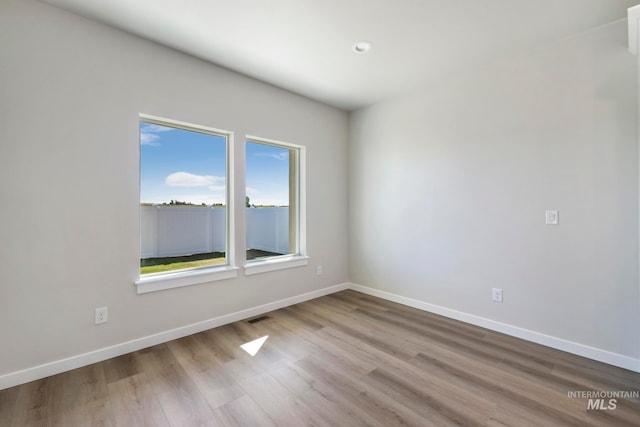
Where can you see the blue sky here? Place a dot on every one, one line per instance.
(188, 166)
(267, 170)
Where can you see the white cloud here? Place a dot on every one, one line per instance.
(149, 139)
(146, 127)
(270, 199)
(148, 134)
(186, 179)
(278, 156)
(251, 191)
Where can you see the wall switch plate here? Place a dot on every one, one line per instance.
(102, 315)
(552, 217)
(496, 294)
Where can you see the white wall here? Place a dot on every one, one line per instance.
(70, 94)
(449, 186)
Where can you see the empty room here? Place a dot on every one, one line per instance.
(319, 213)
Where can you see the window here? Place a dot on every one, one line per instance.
(184, 204)
(274, 205)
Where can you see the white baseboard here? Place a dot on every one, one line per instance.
(58, 366)
(536, 337)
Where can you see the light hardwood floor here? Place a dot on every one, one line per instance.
(346, 359)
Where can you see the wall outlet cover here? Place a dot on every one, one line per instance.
(102, 315)
(552, 217)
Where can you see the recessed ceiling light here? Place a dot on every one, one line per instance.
(362, 47)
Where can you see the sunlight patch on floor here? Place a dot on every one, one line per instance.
(253, 347)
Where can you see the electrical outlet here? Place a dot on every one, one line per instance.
(102, 315)
(496, 295)
(319, 270)
(551, 218)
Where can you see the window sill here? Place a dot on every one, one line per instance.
(184, 278)
(276, 263)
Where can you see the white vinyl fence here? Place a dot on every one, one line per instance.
(183, 230)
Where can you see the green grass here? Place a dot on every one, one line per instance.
(209, 259)
(161, 265)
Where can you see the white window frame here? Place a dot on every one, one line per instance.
(300, 258)
(179, 278)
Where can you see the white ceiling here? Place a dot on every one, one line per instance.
(305, 45)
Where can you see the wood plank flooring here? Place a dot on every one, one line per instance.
(346, 359)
